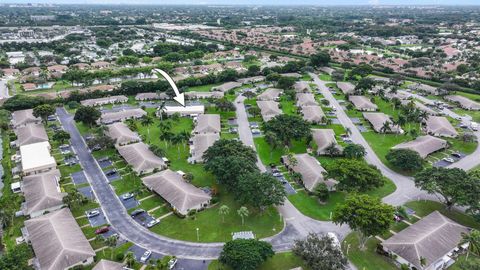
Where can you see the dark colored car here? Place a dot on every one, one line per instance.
(102, 230)
(137, 212)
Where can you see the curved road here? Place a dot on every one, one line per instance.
(296, 224)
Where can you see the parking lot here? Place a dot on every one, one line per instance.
(104, 162)
(129, 203)
(79, 178)
(97, 220)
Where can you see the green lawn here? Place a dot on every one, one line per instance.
(325, 77)
(288, 106)
(213, 229)
(267, 155)
(423, 208)
(202, 88)
(366, 259)
(280, 261)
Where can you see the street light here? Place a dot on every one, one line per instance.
(198, 236)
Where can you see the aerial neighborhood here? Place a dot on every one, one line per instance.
(217, 137)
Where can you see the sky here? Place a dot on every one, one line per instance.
(256, 2)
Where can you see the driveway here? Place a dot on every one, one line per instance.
(4, 89)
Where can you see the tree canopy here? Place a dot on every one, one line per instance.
(319, 252)
(405, 159)
(245, 254)
(287, 128)
(320, 59)
(43, 111)
(354, 151)
(87, 115)
(364, 214)
(260, 190)
(355, 175)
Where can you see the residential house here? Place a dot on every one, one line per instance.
(112, 117)
(226, 86)
(36, 158)
(42, 193)
(309, 168)
(362, 103)
(324, 138)
(378, 120)
(23, 117)
(463, 102)
(270, 94)
(269, 109)
(104, 100)
(122, 134)
(141, 158)
(313, 114)
(346, 87)
(439, 126)
(30, 133)
(306, 99)
(182, 196)
(207, 123)
(424, 145)
(199, 144)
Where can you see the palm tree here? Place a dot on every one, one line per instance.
(111, 242)
(386, 127)
(131, 124)
(160, 109)
(223, 211)
(423, 261)
(243, 213)
(348, 131)
(473, 238)
(146, 121)
(130, 259)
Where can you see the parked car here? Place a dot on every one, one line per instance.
(93, 213)
(277, 174)
(457, 155)
(146, 255)
(102, 230)
(172, 263)
(127, 196)
(450, 160)
(137, 212)
(111, 172)
(152, 223)
(103, 159)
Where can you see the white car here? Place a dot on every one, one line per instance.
(93, 213)
(172, 263)
(152, 223)
(127, 196)
(145, 256)
(450, 160)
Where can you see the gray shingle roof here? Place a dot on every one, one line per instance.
(440, 126)
(140, 157)
(180, 194)
(423, 145)
(431, 238)
(208, 123)
(269, 109)
(31, 133)
(309, 168)
(122, 134)
(57, 240)
(42, 191)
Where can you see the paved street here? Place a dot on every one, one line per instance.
(116, 214)
(4, 89)
(406, 190)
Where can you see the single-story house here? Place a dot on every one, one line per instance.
(270, 94)
(112, 117)
(42, 193)
(378, 120)
(346, 87)
(151, 96)
(362, 103)
(36, 158)
(109, 265)
(327, 70)
(464, 102)
(424, 145)
(422, 107)
(226, 86)
(202, 95)
(81, 66)
(58, 241)
(122, 134)
(30, 133)
(29, 86)
(306, 99)
(291, 74)
(139, 156)
(439, 126)
(424, 88)
(23, 117)
(104, 100)
(301, 87)
(433, 238)
(269, 109)
(57, 68)
(309, 168)
(10, 72)
(323, 138)
(254, 79)
(199, 144)
(208, 123)
(182, 196)
(189, 110)
(313, 114)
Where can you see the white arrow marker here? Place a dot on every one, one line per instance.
(179, 97)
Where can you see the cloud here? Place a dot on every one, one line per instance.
(374, 2)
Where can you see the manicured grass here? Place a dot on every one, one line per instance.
(177, 154)
(269, 155)
(423, 208)
(202, 88)
(461, 258)
(151, 203)
(288, 106)
(213, 229)
(280, 261)
(310, 206)
(368, 258)
(325, 77)
(160, 211)
(128, 183)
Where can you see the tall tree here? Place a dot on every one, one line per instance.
(243, 213)
(473, 238)
(260, 190)
(320, 252)
(43, 111)
(223, 211)
(405, 159)
(444, 183)
(87, 115)
(355, 175)
(366, 215)
(245, 254)
(287, 128)
(61, 136)
(354, 151)
(320, 59)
